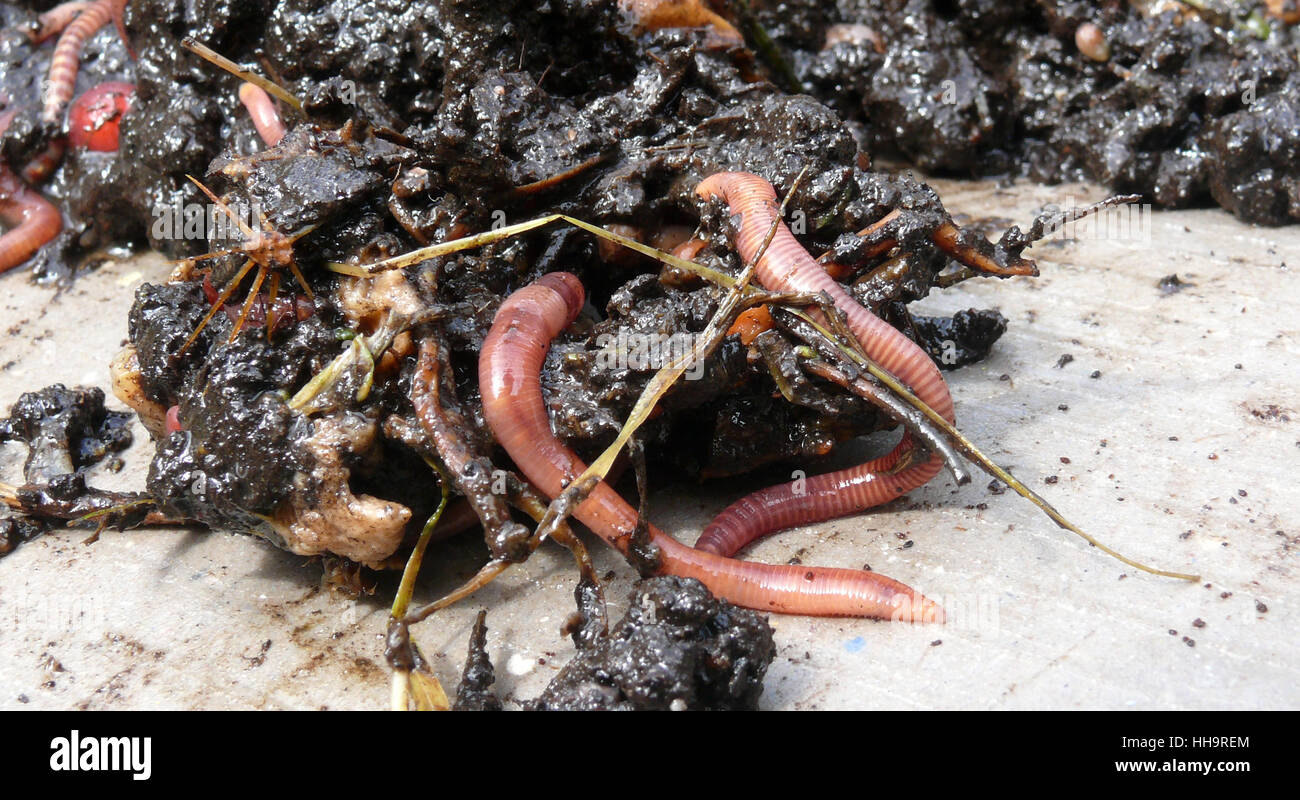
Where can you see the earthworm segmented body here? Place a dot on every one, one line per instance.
(44, 163)
(509, 368)
(821, 497)
(785, 266)
(95, 119)
(262, 109)
(62, 79)
(52, 22)
(33, 220)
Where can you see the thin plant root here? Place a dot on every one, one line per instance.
(425, 689)
(210, 55)
(527, 501)
(973, 453)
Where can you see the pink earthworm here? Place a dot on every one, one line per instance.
(785, 266)
(509, 368)
(45, 162)
(32, 219)
(52, 22)
(66, 62)
(821, 497)
(262, 109)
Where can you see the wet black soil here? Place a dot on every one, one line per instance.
(66, 432)
(678, 648)
(1193, 103)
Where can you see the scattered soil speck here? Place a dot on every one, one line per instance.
(1172, 284)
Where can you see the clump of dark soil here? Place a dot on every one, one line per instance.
(963, 338)
(65, 430)
(1193, 102)
(678, 648)
(432, 120)
(16, 530)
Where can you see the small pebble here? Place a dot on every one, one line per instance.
(1092, 42)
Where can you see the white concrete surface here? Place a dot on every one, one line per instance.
(175, 619)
